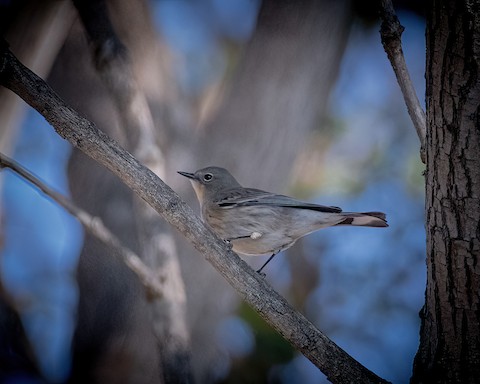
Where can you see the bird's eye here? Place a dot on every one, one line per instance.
(207, 177)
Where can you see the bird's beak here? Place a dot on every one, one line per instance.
(186, 174)
(197, 186)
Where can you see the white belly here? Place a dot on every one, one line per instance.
(261, 230)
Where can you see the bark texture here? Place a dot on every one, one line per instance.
(450, 335)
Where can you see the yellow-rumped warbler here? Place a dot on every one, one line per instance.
(256, 222)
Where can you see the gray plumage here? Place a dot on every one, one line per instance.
(258, 222)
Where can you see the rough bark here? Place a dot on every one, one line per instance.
(450, 334)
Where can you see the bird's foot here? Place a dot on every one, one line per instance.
(229, 243)
(262, 274)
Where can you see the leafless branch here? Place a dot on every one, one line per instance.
(293, 326)
(94, 225)
(391, 31)
(113, 63)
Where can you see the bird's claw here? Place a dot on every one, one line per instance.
(229, 243)
(262, 274)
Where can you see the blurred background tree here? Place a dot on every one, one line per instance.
(291, 96)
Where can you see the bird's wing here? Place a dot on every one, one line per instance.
(241, 197)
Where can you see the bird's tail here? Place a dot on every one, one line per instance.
(364, 219)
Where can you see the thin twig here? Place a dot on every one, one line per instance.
(391, 32)
(93, 225)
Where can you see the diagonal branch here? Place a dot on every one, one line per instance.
(293, 326)
(391, 31)
(94, 225)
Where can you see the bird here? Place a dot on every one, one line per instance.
(257, 222)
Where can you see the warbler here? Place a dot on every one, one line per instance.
(257, 222)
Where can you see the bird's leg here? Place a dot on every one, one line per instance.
(263, 266)
(228, 242)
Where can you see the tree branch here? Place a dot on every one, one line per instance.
(293, 326)
(391, 31)
(94, 225)
(113, 64)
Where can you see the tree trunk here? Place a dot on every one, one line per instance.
(450, 335)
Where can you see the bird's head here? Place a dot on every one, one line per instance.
(208, 181)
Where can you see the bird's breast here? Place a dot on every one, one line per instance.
(252, 230)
